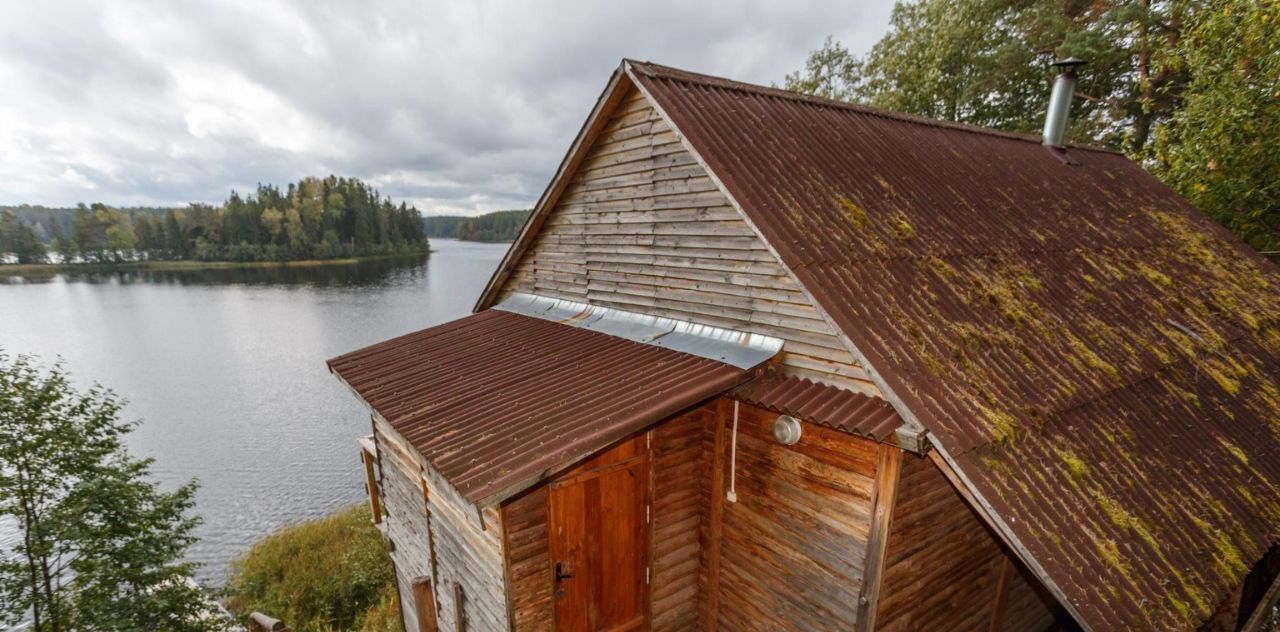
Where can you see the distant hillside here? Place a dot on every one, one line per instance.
(495, 226)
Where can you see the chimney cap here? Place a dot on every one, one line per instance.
(1069, 64)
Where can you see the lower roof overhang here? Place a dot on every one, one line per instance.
(499, 400)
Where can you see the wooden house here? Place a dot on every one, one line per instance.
(762, 361)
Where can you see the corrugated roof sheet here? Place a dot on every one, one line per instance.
(738, 348)
(842, 409)
(1100, 359)
(496, 401)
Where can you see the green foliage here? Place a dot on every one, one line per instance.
(101, 546)
(333, 573)
(1188, 88)
(984, 62)
(314, 219)
(1221, 150)
(495, 226)
(19, 239)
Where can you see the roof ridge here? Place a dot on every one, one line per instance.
(659, 71)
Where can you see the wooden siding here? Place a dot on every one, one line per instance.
(676, 514)
(641, 227)
(524, 524)
(1027, 606)
(943, 566)
(405, 521)
(791, 548)
(676, 550)
(468, 559)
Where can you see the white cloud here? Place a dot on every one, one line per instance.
(455, 106)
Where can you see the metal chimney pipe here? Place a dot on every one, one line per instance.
(1064, 88)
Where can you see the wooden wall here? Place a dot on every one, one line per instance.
(406, 521)
(943, 565)
(467, 558)
(677, 511)
(524, 521)
(641, 227)
(789, 553)
(676, 552)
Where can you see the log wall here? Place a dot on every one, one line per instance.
(466, 556)
(524, 521)
(789, 553)
(943, 565)
(678, 484)
(642, 227)
(405, 507)
(675, 548)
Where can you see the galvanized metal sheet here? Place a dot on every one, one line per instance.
(738, 348)
(498, 400)
(1019, 306)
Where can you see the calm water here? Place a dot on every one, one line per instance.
(226, 370)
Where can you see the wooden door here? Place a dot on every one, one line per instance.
(599, 531)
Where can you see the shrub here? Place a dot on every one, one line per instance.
(332, 573)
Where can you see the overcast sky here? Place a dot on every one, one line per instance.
(459, 107)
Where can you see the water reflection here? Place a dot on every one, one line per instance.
(363, 273)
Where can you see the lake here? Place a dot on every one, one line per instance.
(226, 370)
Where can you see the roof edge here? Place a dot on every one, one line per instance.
(974, 498)
(659, 71)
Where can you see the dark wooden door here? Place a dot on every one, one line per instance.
(599, 534)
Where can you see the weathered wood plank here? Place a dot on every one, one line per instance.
(793, 545)
(884, 496)
(677, 552)
(714, 532)
(528, 559)
(438, 535)
(942, 566)
(641, 226)
(1002, 595)
(405, 521)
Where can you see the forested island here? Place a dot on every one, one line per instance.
(495, 226)
(313, 219)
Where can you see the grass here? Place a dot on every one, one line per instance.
(324, 575)
(47, 269)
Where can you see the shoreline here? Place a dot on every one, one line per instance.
(49, 269)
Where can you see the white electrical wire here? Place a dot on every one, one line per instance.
(732, 496)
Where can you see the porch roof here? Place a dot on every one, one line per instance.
(823, 404)
(499, 400)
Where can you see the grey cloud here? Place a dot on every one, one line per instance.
(453, 106)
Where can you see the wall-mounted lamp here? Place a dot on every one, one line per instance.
(786, 429)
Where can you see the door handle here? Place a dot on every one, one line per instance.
(560, 574)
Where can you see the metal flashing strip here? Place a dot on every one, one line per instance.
(735, 348)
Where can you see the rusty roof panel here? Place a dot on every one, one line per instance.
(496, 401)
(1099, 358)
(845, 410)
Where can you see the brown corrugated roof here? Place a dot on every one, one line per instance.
(842, 409)
(1099, 359)
(496, 401)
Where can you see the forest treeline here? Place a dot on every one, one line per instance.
(1189, 89)
(495, 226)
(315, 218)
